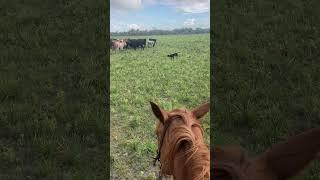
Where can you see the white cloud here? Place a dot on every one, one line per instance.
(120, 27)
(189, 22)
(117, 25)
(122, 20)
(189, 6)
(125, 4)
(135, 27)
(185, 6)
(149, 2)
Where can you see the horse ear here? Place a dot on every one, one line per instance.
(201, 110)
(289, 158)
(158, 112)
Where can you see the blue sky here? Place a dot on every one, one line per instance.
(158, 14)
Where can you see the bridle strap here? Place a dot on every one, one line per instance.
(157, 158)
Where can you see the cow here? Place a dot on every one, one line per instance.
(150, 43)
(154, 41)
(136, 43)
(118, 44)
(111, 42)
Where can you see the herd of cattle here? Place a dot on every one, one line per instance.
(131, 43)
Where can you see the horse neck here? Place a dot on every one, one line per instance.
(192, 163)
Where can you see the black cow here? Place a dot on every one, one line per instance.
(136, 43)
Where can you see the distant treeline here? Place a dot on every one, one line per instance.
(161, 32)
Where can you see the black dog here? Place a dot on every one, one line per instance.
(173, 55)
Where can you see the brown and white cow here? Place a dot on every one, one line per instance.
(118, 44)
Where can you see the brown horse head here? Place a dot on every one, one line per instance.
(281, 162)
(180, 142)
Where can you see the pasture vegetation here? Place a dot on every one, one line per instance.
(268, 72)
(53, 89)
(139, 76)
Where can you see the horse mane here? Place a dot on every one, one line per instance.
(195, 150)
(199, 161)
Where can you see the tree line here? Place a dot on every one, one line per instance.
(134, 32)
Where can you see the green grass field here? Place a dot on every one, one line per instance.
(268, 72)
(53, 85)
(140, 76)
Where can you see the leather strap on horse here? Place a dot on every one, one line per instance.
(157, 158)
